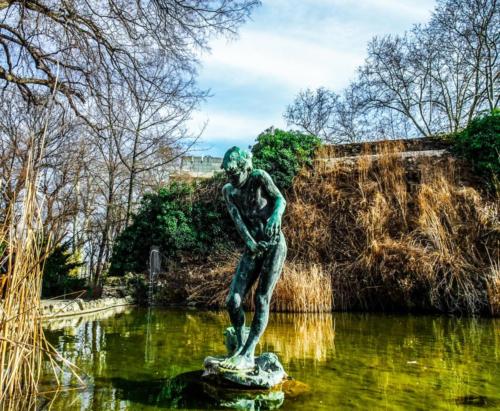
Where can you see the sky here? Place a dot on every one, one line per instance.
(288, 46)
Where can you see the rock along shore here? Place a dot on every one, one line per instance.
(65, 308)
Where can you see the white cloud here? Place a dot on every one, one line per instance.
(287, 61)
(409, 10)
(299, 44)
(229, 126)
(291, 45)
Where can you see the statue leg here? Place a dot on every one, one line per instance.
(245, 276)
(271, 271)
(271, 268)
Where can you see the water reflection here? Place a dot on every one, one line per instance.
(300, 337)
(190, 391)
(136, 359)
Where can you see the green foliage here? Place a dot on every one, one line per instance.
(283, 153)
(190, 220)
(162, 219)
(182, 218)
(214, 227)
(58, 278)
(479, 142)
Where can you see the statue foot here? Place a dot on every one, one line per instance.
(239, 362)
(236, 352)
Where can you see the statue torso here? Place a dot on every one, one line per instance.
(254, 204)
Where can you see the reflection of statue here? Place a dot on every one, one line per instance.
(256, 206)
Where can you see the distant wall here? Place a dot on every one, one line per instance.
(200, 164)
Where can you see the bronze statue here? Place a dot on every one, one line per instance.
(256, 207)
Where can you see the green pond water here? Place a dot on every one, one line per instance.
(141, 359)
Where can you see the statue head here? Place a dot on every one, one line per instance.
(237, 164)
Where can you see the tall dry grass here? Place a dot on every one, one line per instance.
(402, 233)
(21, 333)
(23, 347)
(378, 232)
(301, 288)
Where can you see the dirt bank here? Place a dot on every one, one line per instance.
(393, 226)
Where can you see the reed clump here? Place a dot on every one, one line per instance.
(24, 351)
(302, 287)
(401, 233)
(377, 231)
(21, 334)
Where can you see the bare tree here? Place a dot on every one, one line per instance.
(332, 117)
(473, 29)
(433, 79)
(107, 214)
(121, 77)
(152, 116)
(313, 112)
(439, 76)
(75, 46)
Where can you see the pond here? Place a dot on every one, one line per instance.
(141, 359)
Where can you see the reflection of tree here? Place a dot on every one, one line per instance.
(348, 359)
(402, 354)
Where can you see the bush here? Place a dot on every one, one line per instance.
(479, 142)
(184, 219)
(283, 153)
(189, 220)
(163, 218)
(59, 277)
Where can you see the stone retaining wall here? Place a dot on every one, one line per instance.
(64, 308)
(412, 144)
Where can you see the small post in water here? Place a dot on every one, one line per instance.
(154, 269)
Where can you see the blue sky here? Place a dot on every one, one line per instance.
(289, 45)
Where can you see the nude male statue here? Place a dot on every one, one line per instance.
(256, 207)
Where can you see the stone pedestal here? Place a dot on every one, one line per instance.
(267, 373)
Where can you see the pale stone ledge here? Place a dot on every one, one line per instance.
(65, 308)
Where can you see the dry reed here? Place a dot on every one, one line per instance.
(301, 288)
(403, 233)
(20, 327)
(379, 231)
(23, 347)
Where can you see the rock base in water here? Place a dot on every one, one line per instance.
(268, 372)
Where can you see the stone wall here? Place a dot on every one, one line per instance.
(372, 147)
(63, 308)
(202, 164)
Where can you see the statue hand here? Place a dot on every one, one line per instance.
(253, 247)
(263, 246)
(258, 248)
(273, 226)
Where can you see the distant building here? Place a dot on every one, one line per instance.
(197, 167)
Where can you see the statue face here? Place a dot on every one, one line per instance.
(237, 166)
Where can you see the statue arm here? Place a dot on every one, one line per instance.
(238, 220)
(273, 226)
(274, 193)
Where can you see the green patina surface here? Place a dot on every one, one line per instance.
(256, 207)
(139, 361)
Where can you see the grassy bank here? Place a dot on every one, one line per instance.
(407, 225)
(377, 232)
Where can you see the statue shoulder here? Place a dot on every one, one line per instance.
(227, 189)
(260, 174)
